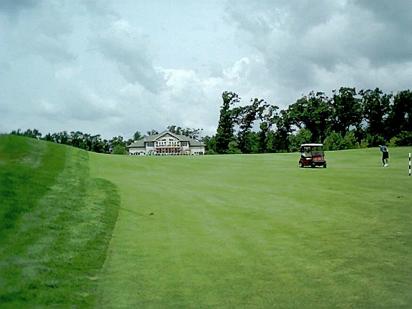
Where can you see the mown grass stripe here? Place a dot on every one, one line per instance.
(56, 248)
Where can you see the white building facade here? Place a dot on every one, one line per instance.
(166, 143)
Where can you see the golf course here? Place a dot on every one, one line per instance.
(81, 229)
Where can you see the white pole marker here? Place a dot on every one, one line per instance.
(409, 164)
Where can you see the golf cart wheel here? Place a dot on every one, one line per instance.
(300, 164)
(324, 165)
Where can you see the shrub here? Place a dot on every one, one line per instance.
(402, 139)
(375, 140)
(334, 141)
(349, 141)
(233, 148)
(301, 137)
(119, 149)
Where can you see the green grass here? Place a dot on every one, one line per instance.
(256, 231)
(249, 231)
(56, 223)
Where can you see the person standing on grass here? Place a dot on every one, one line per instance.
(385, 155)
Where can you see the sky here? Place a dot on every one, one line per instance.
(112, 67)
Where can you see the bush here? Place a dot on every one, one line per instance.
(233, 148)
(333, 141)
(375, 140)
(349, 141)
(301, 137)
(402, 139)
(119, 149)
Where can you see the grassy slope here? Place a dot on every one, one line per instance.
(256, 231)
(55, 224)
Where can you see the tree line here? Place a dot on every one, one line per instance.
(347, 119)
(95, 143)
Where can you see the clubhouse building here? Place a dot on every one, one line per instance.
(166, 143)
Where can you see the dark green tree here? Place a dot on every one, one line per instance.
(210, 144)
(152, 132)
(137, 135)
(225, 129)
(346, 110)
(376, 107)
(267, 116)
(300, 137)
(280, 140)
(400, 115)
(246, 116)
(174, 129)
(312, 112)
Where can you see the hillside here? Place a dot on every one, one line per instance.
(55, 224)
(209, 231)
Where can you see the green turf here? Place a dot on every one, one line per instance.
(56, 223)
(249, 231)
(256, 231)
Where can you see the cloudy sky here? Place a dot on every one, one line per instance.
(113, 67)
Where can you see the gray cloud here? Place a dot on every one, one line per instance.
(41, 30)
(126, 47)
(13, 7)
(299, 38)
(396, 13)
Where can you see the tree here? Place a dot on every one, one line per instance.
(61, 137)
(192, 133)
(48, 137)
(302, 136)
(280, 140)
(346, 110)
(137, 135)
(376, 106)
(312, 112)
(400, 114)
(152, 132)
(175, 129)
(210, 144)
(233, 148)
(224, 134)
(246, 116)
(115, 142)
(267, 116)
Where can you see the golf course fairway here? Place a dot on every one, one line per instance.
(224, 231)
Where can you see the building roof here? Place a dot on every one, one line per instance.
(151, 138)
(137, 144)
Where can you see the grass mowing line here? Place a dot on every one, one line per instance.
(55, 249)
(257, 231)
(28, 170)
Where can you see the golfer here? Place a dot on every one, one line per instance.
(385, 155)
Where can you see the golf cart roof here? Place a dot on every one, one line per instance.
(311, 145)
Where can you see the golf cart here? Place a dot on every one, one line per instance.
(312, 155)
